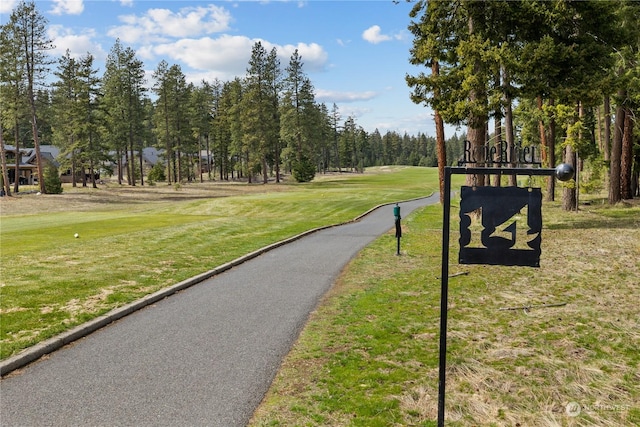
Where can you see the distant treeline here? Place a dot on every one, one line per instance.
(255, 127)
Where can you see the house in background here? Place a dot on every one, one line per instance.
(150, 156)
(24, 164)
(27, 165)
(206, 160)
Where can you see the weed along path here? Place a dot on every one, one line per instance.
(204, 356)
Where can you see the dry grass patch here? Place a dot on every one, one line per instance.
(111, 196)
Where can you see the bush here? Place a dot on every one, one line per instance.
(156, 173)
(303, 170)
(52, 182)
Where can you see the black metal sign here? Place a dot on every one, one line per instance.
(501, 236)
(508, 226)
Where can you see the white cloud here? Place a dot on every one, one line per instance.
(354, 112)
(162, 24)
(67, 7)
(314, 57)
(146, 52)
(336, 96)
(77, 44)
(228, 56)
(374, 35)
(7, 6)
(184, 37)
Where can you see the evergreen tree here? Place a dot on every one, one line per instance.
(171, 119)
(52, 182)
(14, 111)
(302, 126)
(27, 28)
(124, 91)
(67, 111)
(201, 107)
(259, 111)
(334, 121)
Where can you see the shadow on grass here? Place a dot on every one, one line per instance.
(597, 223)
(618, 217)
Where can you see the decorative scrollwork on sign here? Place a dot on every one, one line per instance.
(500, 226)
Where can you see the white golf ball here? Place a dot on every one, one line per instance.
(76, 235)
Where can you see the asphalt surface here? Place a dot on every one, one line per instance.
(205, 356)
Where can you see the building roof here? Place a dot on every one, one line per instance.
(28, 155)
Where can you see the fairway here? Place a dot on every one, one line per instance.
(135, 241)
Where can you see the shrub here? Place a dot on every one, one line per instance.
(156, 173)
(303, 170)
(52, 182)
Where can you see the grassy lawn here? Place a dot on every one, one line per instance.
(549, 346)
(136, 240)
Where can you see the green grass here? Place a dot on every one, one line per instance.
(369, 355)
(51, 281)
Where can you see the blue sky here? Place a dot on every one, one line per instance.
(355, 52)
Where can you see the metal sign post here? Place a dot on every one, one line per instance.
(396, 213)
(495, 250)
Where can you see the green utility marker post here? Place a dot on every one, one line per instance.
(396, 213)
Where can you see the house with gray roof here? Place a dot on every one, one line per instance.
(24, 165)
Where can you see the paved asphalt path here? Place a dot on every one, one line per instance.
(204, 356)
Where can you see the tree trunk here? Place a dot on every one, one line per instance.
(83, 172)
(168, 143)
(249, 171)
(131, 164)
(141, 158)
(477, 122)
(16, 180)
(551, 145)
(441, 151)
(127, 163)
(265, 172)
(222, 163)
(616, 152)
(74, 181)
(174, 155)
(498, 144)
(119, 162)
(34, 118)
(277, 161)
(200, 158)
(179, 178)
(93, 174)
(508, 122)
(5, 172)
(207, 147)
(543, 135)
(477, 135)
(36, 144)
(626, 160)
(569, 193)
(606, 138)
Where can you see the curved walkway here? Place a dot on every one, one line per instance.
(203, 357)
